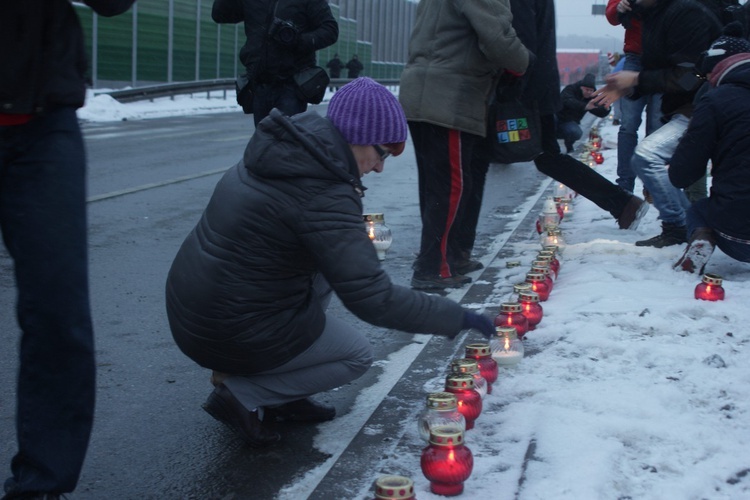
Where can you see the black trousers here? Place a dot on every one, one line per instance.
(577, 176)
(451, 182)
(281, 95)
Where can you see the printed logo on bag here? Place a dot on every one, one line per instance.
(513, 130)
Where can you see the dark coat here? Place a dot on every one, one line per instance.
(354, 67)
(720, 131)
(534, 22)
(334, 66)
(574, 104)
(674, 32)
(265, 58)
(239, 293)
(42, 52)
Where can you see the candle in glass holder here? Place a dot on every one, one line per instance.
(468, 399)
(554, 264)
(531, 308)
(517, 289)
(539, 285)
(545, 267)
(552, 251)
(487, 366)
(441, 411)
(549, 216)
(507, 348)
(468, 366)
(510, 315)
(566, 204)
(545, 271)
(553, 236)
(598, 158)
(446, 462)
(379, 233)
(394, 488)
(710, 288)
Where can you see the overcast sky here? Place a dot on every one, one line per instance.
(574, 18)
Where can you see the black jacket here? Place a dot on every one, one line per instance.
(574, 104)
(264, 56)
(42, 52)
(334, 66)
(354, 67)
(674, 32)
(239, 296)
(720, 131)
(534, 22)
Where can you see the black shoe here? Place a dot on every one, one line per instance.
(632, 213)
(467, 266)
(671, 234)
(226, 408)
(438, 282)
(302, 410)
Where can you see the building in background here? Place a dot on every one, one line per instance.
(573, 64)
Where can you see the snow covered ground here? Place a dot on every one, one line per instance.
(635, 390)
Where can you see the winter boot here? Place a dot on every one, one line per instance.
(699, 250)
(671, 234)
(632, 213)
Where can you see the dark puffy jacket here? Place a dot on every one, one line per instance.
(534, 22)
(266, 59)
(43, 57)
(675, 32)
(239, 296)
(574, 104)
(720, 130)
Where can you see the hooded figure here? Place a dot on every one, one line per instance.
(248, 290)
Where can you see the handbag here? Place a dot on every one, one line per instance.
(244, 93)
(311, 84)
(514, 132)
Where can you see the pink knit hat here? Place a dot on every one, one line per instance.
(367, 113)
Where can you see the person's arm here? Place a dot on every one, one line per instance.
(109, 8)
(227, 11)
(697, 146)
(326, 30)
(570, 101)
(492, 22)
(612, 13)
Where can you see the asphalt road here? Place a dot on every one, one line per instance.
(148, 184)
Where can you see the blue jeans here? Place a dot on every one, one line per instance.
(697, 217)
(569, 132)
(650, 161)
(281, 95)
(631, 113)
(43, 223)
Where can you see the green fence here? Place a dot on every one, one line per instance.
(162, 41)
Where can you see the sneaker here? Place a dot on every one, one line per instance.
(671, 234)
(227, 409)
(632, 214)
(301, 410)
(467, 265)
(438, 282)
(695, 257)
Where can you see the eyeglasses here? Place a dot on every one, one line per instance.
(381, 152)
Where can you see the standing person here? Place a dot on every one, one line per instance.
(675, 33)
(576, 101)
(354, 67)
(248, 289)
(43, 223)
(535, 24)
(445, 90)
(334, 66)
(625, 12)
(720, 131)
(282, 37)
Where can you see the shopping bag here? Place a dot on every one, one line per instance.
(514, 132)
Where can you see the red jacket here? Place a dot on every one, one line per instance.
(632, 34)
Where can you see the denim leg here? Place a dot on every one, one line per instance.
(697, 216)
(43, 222)
(650, 162)
(735, 249)
(569, 132)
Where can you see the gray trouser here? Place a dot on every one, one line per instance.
(340, 355)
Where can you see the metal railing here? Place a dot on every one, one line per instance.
(151, 92)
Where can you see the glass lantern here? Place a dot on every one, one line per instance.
(379, 233)
(539, 285)
(446, 462)
(554, 264)
(507, 348)
(470, 367)
(553, 237)
(487, 366)
(531, 308)
(517, 289)
(511, 315)
(394, 488)
(468, 399)
(549, 217)
(710, 288)
(545, 271)
(441, 411)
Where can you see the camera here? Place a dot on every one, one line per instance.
(283, 31)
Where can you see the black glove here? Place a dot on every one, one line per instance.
(511, 85)
(478, 322)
